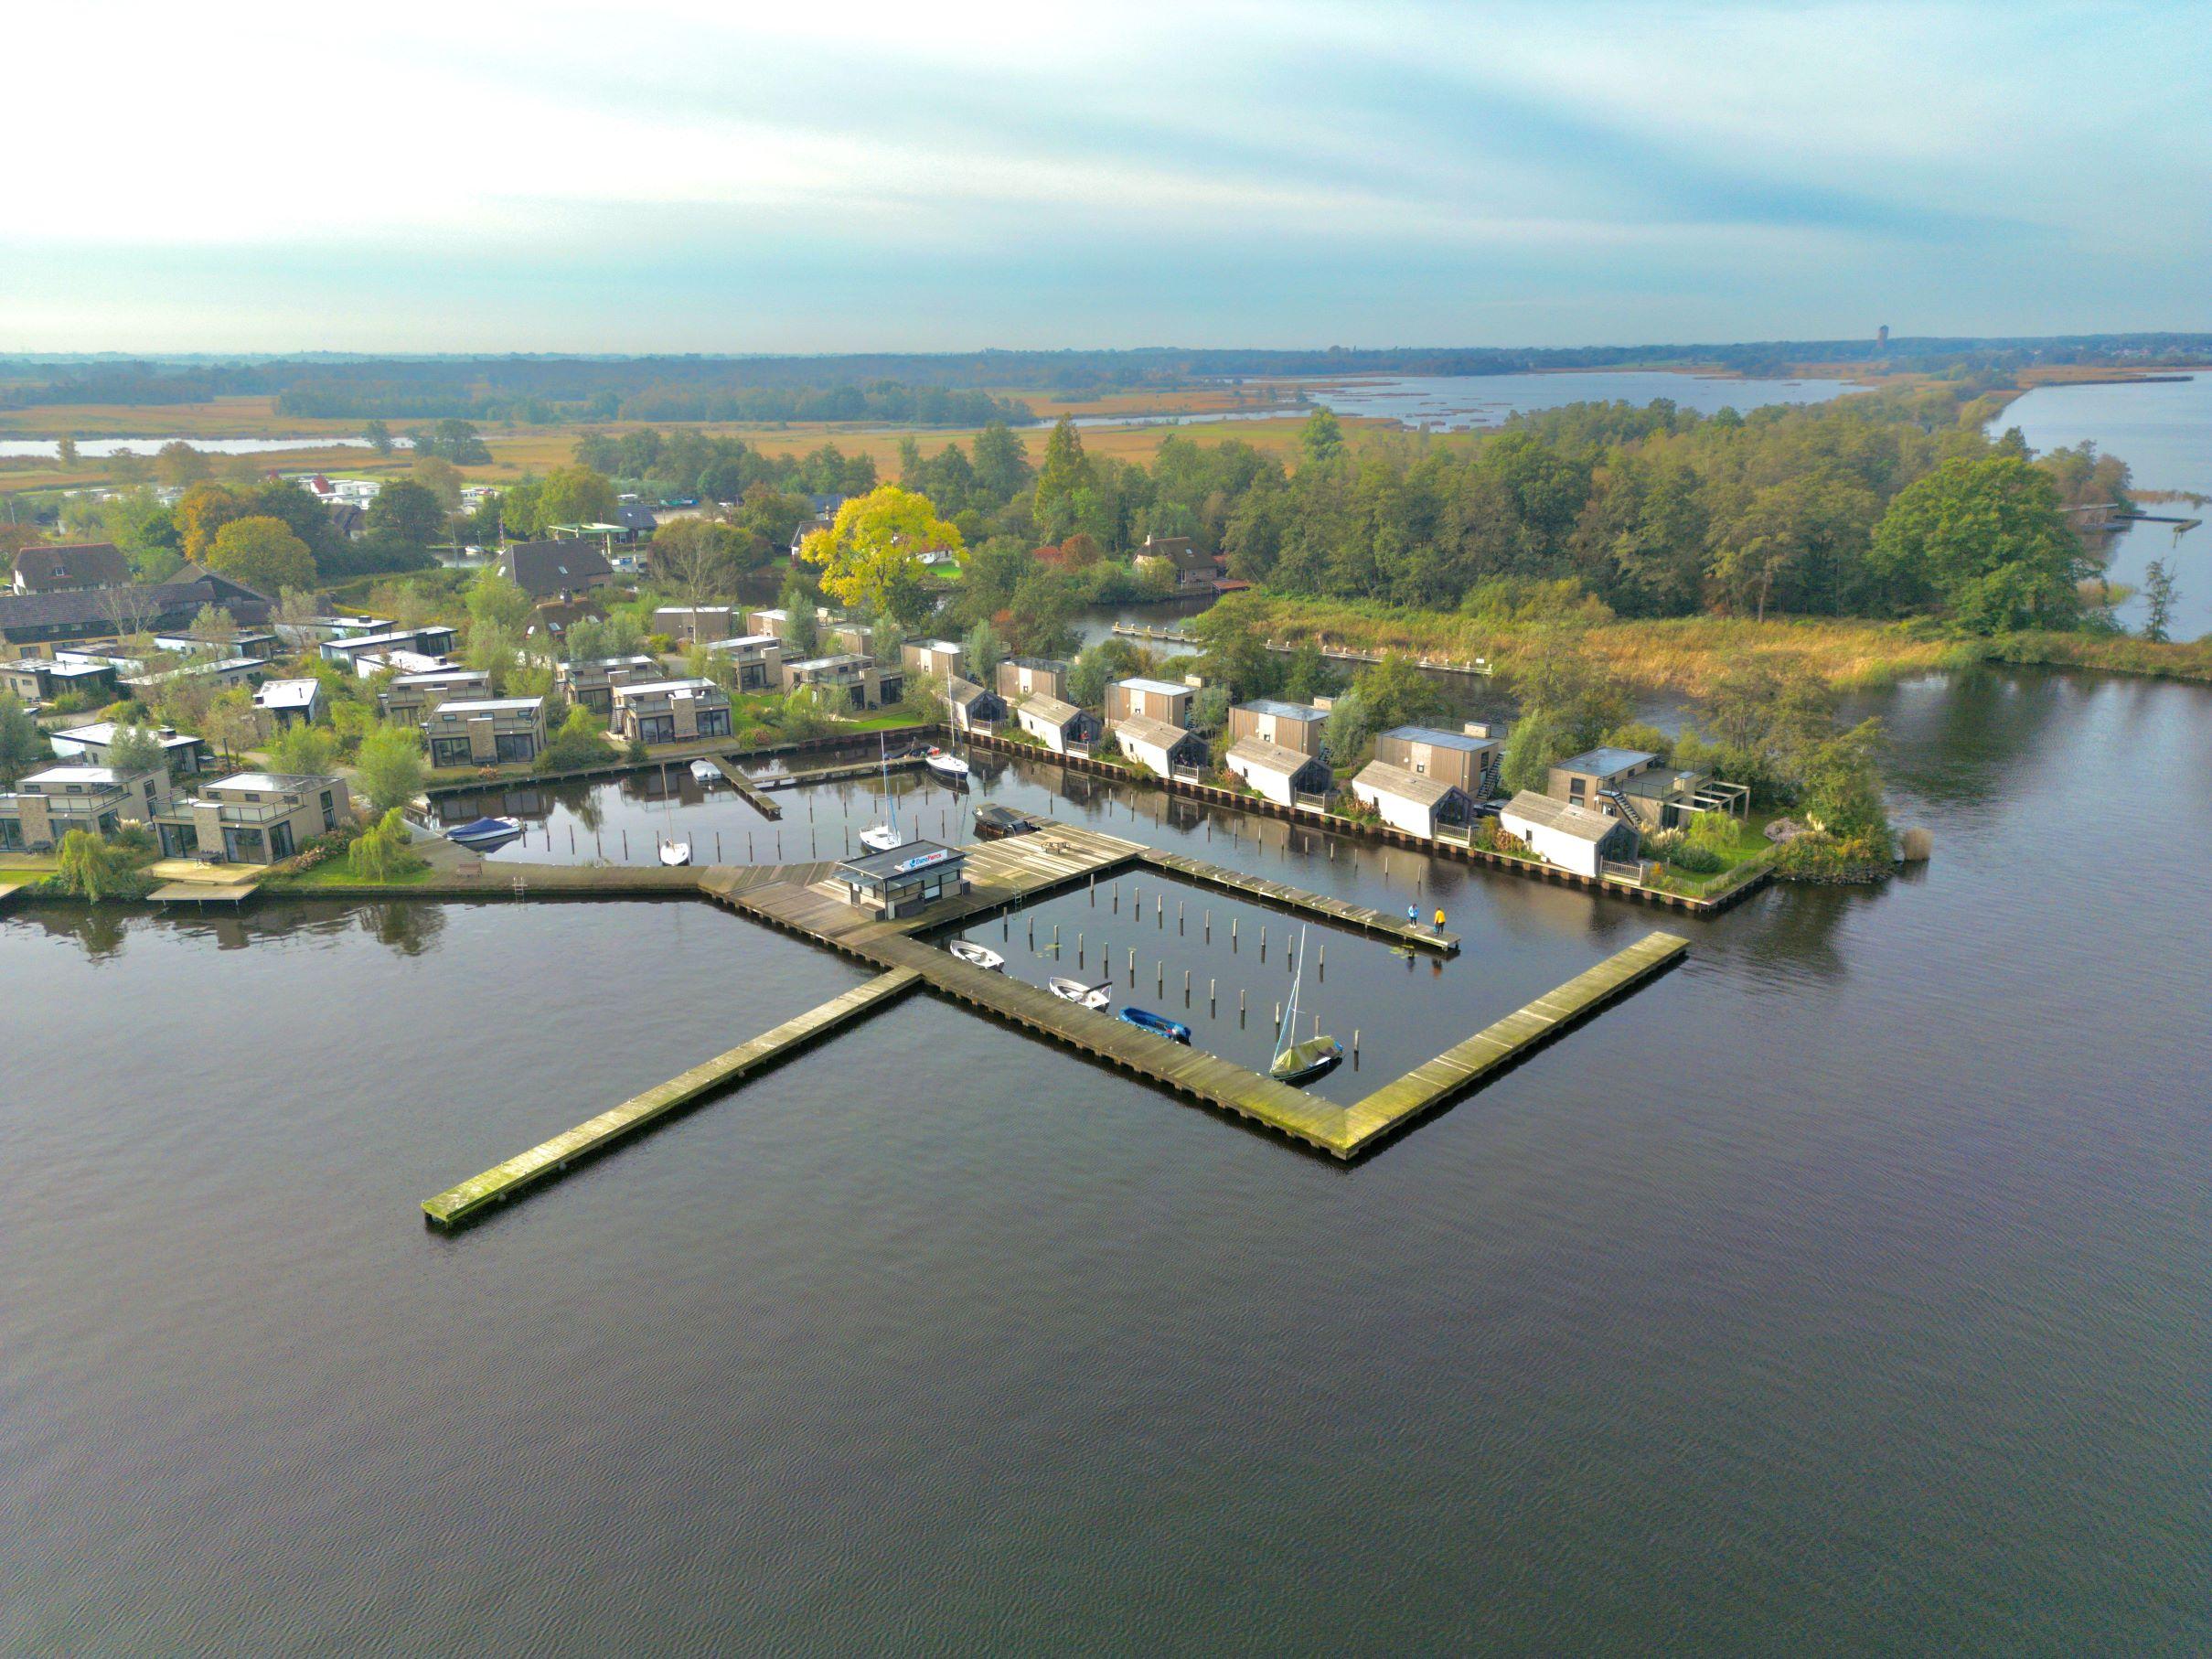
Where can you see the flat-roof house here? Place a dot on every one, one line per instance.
(563, 571)
(1194, 572)
(252, 817)
(407, 698)
(773, 620)
(1061, 727)
(591, 683)
(905, 880)
(42, 679)
(1289, 725)
(284, 703)
(1282, 775)
(758, 659)
(1021, 677)
(1141, 699)
(1574, 837)
(1636, 786)
(245, 643)
(693, 622)
(942, 658)
(1467, 759)
(971, 708)
(485, 730)
(861, 683)
(1409, 801)
(314, 630)
(186, 755)
(1159, 747)
(855, 637)
(671, 710)
(48, 804)
(71, 567)
(223, 671)
(432, 639)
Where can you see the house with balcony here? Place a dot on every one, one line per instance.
(848, 680)
(1282, 775)
(188, 756)
(940, 657)
(1573, 837)
(1164, 750)
(1021, 677)
(1639, 786)
(670, 711)
(314, 630)
(406, 698)
(591, 683)
(1061, 727)
(689, 623)
(1288, 726)
(970, 708)
(432, 639)
(757, 658)
(1415, 803)
(48, 804)
(485, 730)
(252, 817)
(1470, 759)
(1142, 699)
(40, 680)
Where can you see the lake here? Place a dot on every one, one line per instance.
(1848, 1290)
(99, 448)
(1459, 402)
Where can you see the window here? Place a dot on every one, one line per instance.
(330, 812)
(657, 728)
(514, 746)
(714, 723)
(449, 751)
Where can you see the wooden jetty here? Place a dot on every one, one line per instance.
(745, 786)
(549, 1159)
(1468, 1065)
(1281, 895)
(846, 774)
(9, 889)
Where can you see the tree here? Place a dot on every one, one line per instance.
(1349, 724)
(575, 494)
(1002, 464)
(408, 514)
(295, 607)
(802, 626)
(1321, 438)
(1986, 541)
(440, 477)
(495, 600)
(65, 450)
(264, 553)
(380, 852)
(177, 463)
(202, 513)
(229, 719)
(215, 629)
(23, 745)
(455, 440)
(579, 741)
(91, 869)
(1210, 710)
(871, 557)
(1065, 478)
(2158, 595)
(134, 749)
(379, 436)
(982, 650)
(389, 766)
(702, 558)
(303, 751)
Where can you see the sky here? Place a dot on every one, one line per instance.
(704, 175)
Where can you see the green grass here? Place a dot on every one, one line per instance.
(338, 872)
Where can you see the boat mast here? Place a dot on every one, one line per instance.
(1289, 1034)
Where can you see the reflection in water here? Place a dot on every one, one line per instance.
(409, 929)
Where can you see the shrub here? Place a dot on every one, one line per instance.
(1690, 857)
(380, 852)
(578, 743)
(93, 869)
(389, 767)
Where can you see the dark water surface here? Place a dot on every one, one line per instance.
(1849, 1289)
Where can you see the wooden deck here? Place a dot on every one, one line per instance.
(1297, 900)
(549, 1159)
(1468, 1065)
(9, 889)
(754, 795)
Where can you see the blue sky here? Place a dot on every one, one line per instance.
(694, 175)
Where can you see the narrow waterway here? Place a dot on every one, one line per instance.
(1848, 1288)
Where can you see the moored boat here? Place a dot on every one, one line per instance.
(946, 765)
(976, 956)
(705, 771)
(881, 837)
(486, 832)
(676, 852)
(993, 822)
(1160, 1025)
(1077, 992)
(1304, 1060)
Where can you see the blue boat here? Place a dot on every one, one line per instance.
(486, 832)
(1160, 1025)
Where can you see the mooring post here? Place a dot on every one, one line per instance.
(1210, 1009)
(1232, 922)
(1079, 947)
(1263, 941)
(1186, 987)
(717, 846)
(1032, 932)
(626, 846)
(1178, 905)
(1208, 927)
(1240, 1005)
(1159, 975)
(1132, 964)
(1355, 1043)
(1055, 938)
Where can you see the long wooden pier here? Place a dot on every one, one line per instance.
(754, 795)
(1297, 900)
(549, 1159)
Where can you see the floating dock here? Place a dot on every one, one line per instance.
(754, 795)
(549, 1159)
(1299, 902)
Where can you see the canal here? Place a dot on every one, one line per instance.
(1850, 1281)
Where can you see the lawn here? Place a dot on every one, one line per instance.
(338, 872)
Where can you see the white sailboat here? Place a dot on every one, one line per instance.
(673, 852)
(1294, 1061)
(884, 838)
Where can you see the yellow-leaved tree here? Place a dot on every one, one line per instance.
(872, 556)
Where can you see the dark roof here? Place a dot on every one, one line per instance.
(635, 514)
(879, 866)
(95, 608)
(542, 569)
(72, 565)
(347, 518)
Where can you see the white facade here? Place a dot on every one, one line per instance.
(1574, 837)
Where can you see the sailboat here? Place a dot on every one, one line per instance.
(884, 838)
(673, 852)
(1295, 1062)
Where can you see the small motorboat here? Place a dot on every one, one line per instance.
(976, 956)
(485, 833)
(1077, 992)
(946, 765)
(706, 771)
(1304, 1060)
(676, 852)
(1160, 1025)
(993, 822)
(881, 837)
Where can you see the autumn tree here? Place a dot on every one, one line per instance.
(201, 512)
(872, 556)
(263, 553)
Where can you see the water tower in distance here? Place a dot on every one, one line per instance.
(1881, 337)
